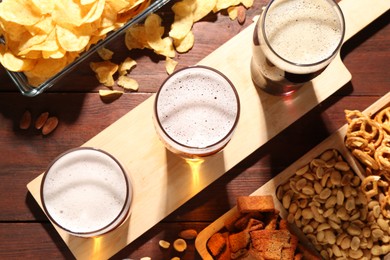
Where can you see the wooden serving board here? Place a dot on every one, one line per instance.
(162, 181)
(335, 141)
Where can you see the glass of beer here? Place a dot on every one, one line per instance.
(86, 192)
(196, 111)
(293, 42)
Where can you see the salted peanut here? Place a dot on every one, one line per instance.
(380, 250)
(336, 251)
(180, 245)
(327, 155)
(342, 166)
(188, 234)
(25, 121)
(300, 184)
(383, 224)
(41, 120)
(49, 126)
(355, 254)
(302, 170)
(330, 237)
(164, 244)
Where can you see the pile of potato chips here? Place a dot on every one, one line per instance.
(43, 36)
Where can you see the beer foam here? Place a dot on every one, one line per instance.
(85, 191)
(197, 107)
(302, 31)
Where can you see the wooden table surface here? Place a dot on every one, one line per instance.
(25, 231)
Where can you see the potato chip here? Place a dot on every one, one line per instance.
(105, 53)
(203, 8)
(44, 6)
(247, 3)
(165, 48)
(43, 27)
(49, 44)
(232, 12)
(70, 40)
(13, 63)
(127, 83)
(135, 38)
(224, 4)
(110, 94)
(170, 65)
(45, 68)
(69, 13)
(154, 31)
(104, 72)
(126, 66)
(15, 11)
(183, 19)
(184, 45)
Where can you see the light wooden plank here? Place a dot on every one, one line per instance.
(163, 182)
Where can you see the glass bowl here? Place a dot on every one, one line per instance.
(27, 89)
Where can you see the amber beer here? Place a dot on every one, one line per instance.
(196, 111)
(86, 192)
(293, 42)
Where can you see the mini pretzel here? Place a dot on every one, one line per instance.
(357, 142)
(352, 114)
(366, 128)
(366, 159)
(382, 156)
(382, 173)
(383, 117)
(370, 185)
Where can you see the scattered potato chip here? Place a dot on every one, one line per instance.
(126, 66)
(170, 65)
(109, 95)
(104, 72)
(154, 31)
(232, 12)
(105, 53)
(135, 38)
(247, 3)
(127, 83)
(183, 19)
(203, 8)
(185, 44)
(224, 4)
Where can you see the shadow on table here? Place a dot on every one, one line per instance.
(48, 227)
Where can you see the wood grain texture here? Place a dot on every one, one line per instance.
(25, 154)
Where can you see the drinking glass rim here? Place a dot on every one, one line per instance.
(342, 23)
(231, 130)
(125, 210)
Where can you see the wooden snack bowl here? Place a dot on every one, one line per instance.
(335, 141)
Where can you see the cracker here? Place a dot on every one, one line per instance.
(216, 244)
(239, 241)
(247, 204)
